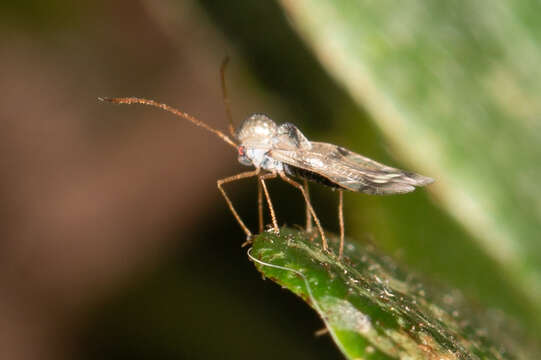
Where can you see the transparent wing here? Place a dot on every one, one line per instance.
(350, 170)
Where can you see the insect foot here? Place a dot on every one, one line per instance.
(273, 229)
(249, 241)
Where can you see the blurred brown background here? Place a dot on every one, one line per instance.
(116, 243)
(96, 198)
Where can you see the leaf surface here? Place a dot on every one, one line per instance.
(374, 309)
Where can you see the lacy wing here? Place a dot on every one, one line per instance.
(350, 170)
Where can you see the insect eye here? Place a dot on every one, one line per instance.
(242, 151)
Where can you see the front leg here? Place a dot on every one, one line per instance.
(229, 179)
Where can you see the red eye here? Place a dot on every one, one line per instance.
(242, 151)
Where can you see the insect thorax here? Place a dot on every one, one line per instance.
(255, 136)
(257, 131)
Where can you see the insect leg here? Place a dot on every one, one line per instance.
(229, 179)
(309, 205)
(262, 179)
(341, 221)
(308, 215)
(260, 206)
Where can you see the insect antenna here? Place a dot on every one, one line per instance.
(182, 114)
(225, 97)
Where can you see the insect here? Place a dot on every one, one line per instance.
(283, 151)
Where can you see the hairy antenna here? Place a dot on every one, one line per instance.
(225, 98)
(195, 121)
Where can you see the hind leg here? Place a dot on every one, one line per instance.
(341, 221)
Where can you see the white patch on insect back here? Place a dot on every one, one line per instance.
(256, 131)
(263, 130)
(315, 162)
(379, 181)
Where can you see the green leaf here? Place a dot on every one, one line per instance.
(456, 86)
(373, 309)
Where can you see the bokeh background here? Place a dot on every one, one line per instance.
(115, 241)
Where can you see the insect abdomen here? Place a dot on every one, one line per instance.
(309, 175)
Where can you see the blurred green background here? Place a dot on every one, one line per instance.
(117, 244)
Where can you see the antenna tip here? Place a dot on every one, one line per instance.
(109, 99)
